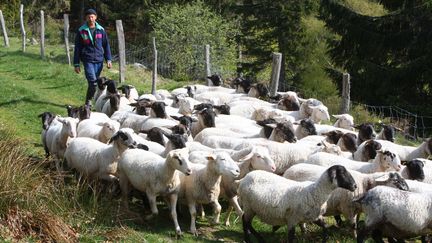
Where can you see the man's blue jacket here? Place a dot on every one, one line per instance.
(89, 49)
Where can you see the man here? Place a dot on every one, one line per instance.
(91, 47)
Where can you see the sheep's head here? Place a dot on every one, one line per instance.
(366, 131)
(260, 159)
(69, 125)
(289, 103)
(348, 142)
(47, 118)
(329, 148)
(206, 118)
(110, 128)
(388, 161)
(158, 109)
(345, 121)
(282, 131)
(320, 113)
(393, 179)
(333, 136)
(415, 169)
(370, 149)
(216, 79)
(124, 136)
(101, 83)
(340, 177)
(179, 159)
(223, 164)
(222, 109)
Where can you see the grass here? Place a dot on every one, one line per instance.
(53, 208)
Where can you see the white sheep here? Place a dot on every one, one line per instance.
(57, 136)
(340, 201)
(395, 213)
(154, 175)
(384, 161)
(345, 121)
(279, 201)
(203, 186)
(103, 132)
(407, 153)
(96, 160)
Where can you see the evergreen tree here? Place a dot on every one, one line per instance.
(269, 26)
(388, 56)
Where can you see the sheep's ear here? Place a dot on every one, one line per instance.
(40, 115)
(325, 143)
(272, 125)
(296, 123)
(143, 146)
(133, 104)
(248, 156)
(337, 116)
(383, 178)
(62, 120)
(175, 118)
(211, 157)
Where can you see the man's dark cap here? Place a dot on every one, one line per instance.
(90, 11)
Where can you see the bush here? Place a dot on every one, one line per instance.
(182, 31)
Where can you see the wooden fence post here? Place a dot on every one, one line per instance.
(122, 50)
(66, 36)
(275, 73)
(207, 64)
(42, 38)
(154, 74)
(23, 33)
(3, 26)
(346, 88)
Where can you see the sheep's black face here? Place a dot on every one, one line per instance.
(308, 126)
(216, 79)
(186, 121)
(333, 136)
(389, 132)
(141, 110)
(415, 169)
(158, 108)
(101, 83)
(343, 178)
(370, 149)
(178, 141)
(126, 90)
(142, 146)
(203, 106)
(72, 111)
(349, 139)
(246, 85)
(155, 135)
(208, 117)
(267, 130)
(398, 181)
(179, 129)
(111, 86)
(286, 131)
(290, 103)
(262, 90)
(84, 112)
(47, 118)
(223, 109)
(190, 92)
(115, 101)
(366, 131)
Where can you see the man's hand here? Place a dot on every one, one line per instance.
(109, 64)
(77, 69)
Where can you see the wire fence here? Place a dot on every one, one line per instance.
(415, 126)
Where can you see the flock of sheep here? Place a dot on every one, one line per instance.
(273, 160)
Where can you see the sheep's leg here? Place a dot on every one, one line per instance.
(216, 211)
(291, 234)
(353, 221)
(248, 229)
(201, 210)
(153, 207)
(173, 208)
(320, 222)
(363, 233)
(229, 211)
(377, 236)
(338, 220)
(124, 186)
(192, 211)
(234, 202)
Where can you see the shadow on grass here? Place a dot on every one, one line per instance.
(57, 87)
(61, 58)
(29, 100)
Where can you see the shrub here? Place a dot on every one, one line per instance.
(182, 31)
